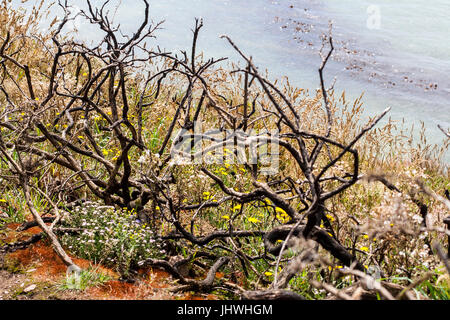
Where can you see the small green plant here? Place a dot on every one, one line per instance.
(90, 277)
(113, 237)
(12, 265)
(12, 208)
(436, 288)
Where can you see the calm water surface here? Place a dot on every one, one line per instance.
(396, 52)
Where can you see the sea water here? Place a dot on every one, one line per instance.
(395, 52)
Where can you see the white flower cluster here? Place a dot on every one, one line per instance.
(113, 237)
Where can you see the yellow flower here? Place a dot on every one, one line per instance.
(157, 208)
(283, 217)
(222, 171)
(253, 220)
(80, 137)
(330, 217)
(37, 99)
(268, 273)
(237, 207)
(206, 195)
(335, 267)
(365, 249)
(226, 217)
(85, 74)
(365, 236)
(268, 202)
(243, 170)
(3, 200)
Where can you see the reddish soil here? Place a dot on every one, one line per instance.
(39, 264)
(47, 264)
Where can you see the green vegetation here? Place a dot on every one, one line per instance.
(91, 277)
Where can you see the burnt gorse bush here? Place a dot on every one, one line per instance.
(175, 143)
